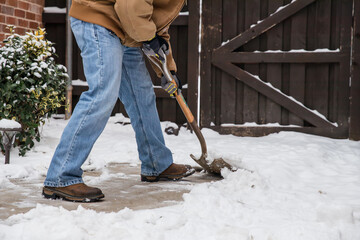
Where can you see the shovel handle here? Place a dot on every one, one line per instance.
(162, 65)
(190, 118)
(184, 107)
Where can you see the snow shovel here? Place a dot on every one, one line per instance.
(213, 167)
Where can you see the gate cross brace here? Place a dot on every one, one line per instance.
(332, 56)
(264, 25)
(276, 95)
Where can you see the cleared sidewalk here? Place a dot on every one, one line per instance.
(121, 185)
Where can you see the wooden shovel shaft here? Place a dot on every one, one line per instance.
(162, 65)
(184, 107)
(190, 118)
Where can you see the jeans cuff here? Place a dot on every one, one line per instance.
(62, 184)
(146, 173)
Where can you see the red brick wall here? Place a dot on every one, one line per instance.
(24, 14)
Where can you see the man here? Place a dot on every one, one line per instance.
(109, 34)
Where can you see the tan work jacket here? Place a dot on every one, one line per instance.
(133, 21)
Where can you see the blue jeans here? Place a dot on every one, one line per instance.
(112, 70)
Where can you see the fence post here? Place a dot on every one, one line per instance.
(354, 130)
(69, 52)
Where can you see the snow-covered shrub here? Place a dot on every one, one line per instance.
(32, 85)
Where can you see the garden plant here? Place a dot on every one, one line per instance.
(32, 85)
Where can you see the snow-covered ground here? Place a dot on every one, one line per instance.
(295, 186)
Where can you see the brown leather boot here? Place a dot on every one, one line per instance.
(76, 193)
(174, 172)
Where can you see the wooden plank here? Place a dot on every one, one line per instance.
(251, 96)
(310, 45)
(207, 35)
(275, 95)
(57, 3)
(216, 95)
(159, 108)
(54, 18)
(77, 90)
(334, 68)
(193, 55)
(212, 25)
(217, 15)
(78, 70)
(274, 70)
(339, 133)
(355, 78)
(116, 108)
(173, 32)
(122, 109)
(262, 98)
(181, 20)
(285, 84)
(285, 89)
(56, 34)
(182, 54)
(168, 109)
(265, 25)
(297, 71)
(180, 46)
(311, 69)
(239, 101)
(311, 30)
(345, 46)
(280, 57)
(180, 117)
(264, 13)
(228, 83)
(318, 74)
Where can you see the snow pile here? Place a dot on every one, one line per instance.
(243, 206)
(292, 186)
(10, 124)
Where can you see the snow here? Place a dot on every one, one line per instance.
(254, 124)
(9, 124)
(36, 74)
(54, 10)
(322, 50)
(295, 186)
(226, 42)
(184, 13)
(79, 82)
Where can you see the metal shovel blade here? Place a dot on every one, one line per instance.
(214, 167)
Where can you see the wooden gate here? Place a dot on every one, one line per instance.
(265, 65)
(276, 65)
